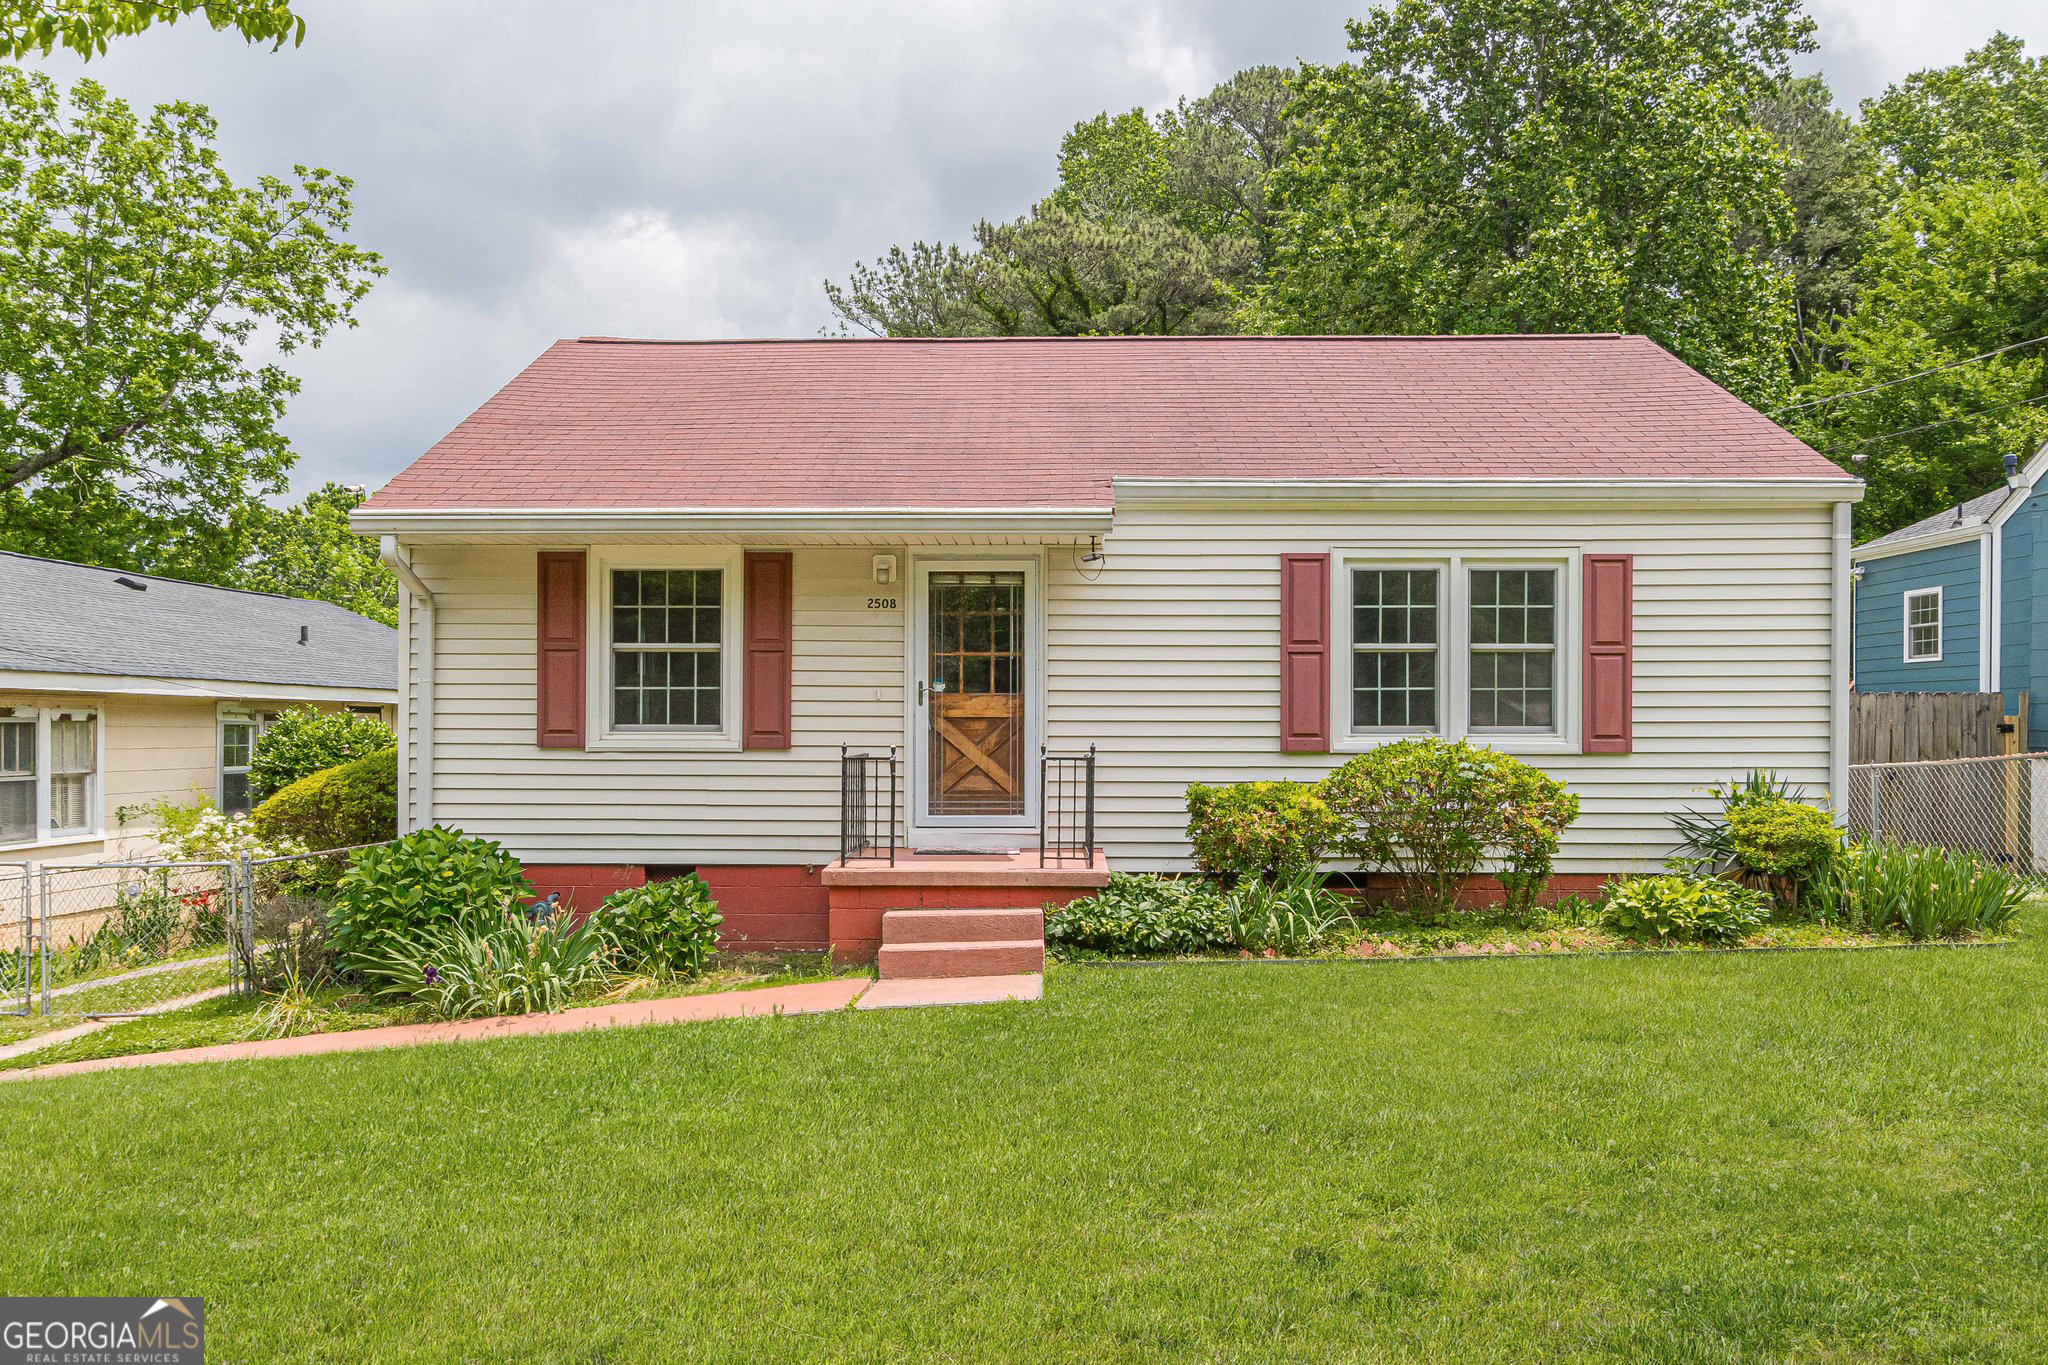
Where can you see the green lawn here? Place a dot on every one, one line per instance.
(1817, 1156)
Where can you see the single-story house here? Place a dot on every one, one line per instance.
(121, 689)
(1948, 604)
(662, 598)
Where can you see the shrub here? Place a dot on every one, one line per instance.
(1921, 892)
(1259, 829)
(1292, 916)
(416, 885)
(1432, 811)
(302, 741)
(198, 833)
(1673, 907)
(339, 807)
(1136, 916)
(1704, 836)
(667, 927)
(465, 969)
(1786, 843)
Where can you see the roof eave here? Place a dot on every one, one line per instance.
(405, 522)
(1524, 491)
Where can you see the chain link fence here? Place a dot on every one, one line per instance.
(105, 939)
(1996, 808)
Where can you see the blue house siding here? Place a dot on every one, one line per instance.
(1880, 623)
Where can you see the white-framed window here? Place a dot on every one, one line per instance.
(1923, 626)
(1458, 644)
(664, 666)
(49, 774)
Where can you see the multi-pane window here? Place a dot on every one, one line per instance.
(72, 762)
(1923, 624)
(667, 625)
(1394, 638)
(1514, 649)
(237, 746)
(49, 766)
(17, 781)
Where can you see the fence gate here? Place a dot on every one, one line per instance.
(17, 941)
(1996, 808)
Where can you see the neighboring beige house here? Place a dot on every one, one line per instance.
(120, 689)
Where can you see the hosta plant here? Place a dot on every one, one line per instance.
(1677, 908)
(1138, 916)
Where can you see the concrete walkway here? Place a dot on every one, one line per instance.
(37, 1042)
(811, 998)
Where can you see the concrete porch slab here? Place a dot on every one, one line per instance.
(1019, 869)
(950, 990)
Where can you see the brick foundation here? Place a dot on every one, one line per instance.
(1485, 890)
(771, 908)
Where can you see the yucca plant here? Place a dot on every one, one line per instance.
(1704, 837)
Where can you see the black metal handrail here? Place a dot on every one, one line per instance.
(870, 805)
(1066, 789)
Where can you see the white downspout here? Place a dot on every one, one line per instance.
(420, 598)
(1838, 671)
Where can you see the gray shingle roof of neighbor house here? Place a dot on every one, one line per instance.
(57, 617)
(1980, 507)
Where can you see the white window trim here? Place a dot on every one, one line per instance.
(1454, 646)
(1906, 620)
(223, 717)
(95, 828)
(600, 733)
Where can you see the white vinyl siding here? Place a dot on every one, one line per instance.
(1165, 656)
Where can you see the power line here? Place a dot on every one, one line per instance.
(1903, 379)
(1946, 421)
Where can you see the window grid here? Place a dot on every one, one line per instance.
(667, 633)
(1513, 683)
(976, 632)
(1923, 625)
(237, 746)
(1394, 629)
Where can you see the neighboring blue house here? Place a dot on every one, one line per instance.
(1932, 615)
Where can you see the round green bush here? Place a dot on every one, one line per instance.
(302, 741)
(1267, 830)
(339, 807)
(417, 884)
(1434, 811)
(667, 927)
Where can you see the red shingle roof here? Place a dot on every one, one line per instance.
(1047, 423)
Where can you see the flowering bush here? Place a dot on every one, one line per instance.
(1433, 811)
(199, 833)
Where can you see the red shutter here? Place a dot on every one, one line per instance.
(1610, 650)
(765, 689)
(559, 633)
(1305, 654)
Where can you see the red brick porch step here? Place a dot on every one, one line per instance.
(923, 944)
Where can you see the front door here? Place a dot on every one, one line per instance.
(975, 677)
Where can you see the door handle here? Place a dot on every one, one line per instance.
(920, 691)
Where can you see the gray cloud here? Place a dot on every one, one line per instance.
(541, 169)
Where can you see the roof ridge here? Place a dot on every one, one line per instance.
(1181, 339)
(181, 582)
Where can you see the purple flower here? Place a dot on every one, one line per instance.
(433, 974)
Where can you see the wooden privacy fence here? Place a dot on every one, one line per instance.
(1912, 727)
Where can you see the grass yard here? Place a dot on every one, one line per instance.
(1818, 1156)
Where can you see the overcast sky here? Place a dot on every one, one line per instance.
(696, 168)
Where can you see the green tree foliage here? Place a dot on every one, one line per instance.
(84, 26)
(1542, 165)
(303, 741)
(1956, 267)
(1154, 224)
(307, 550)
(137, 430)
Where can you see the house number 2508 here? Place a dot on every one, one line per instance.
(881, 604)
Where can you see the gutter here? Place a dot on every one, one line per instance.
(1518, 492)
(417, 600)
(1838, 671)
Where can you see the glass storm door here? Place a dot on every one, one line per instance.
(973, 692)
